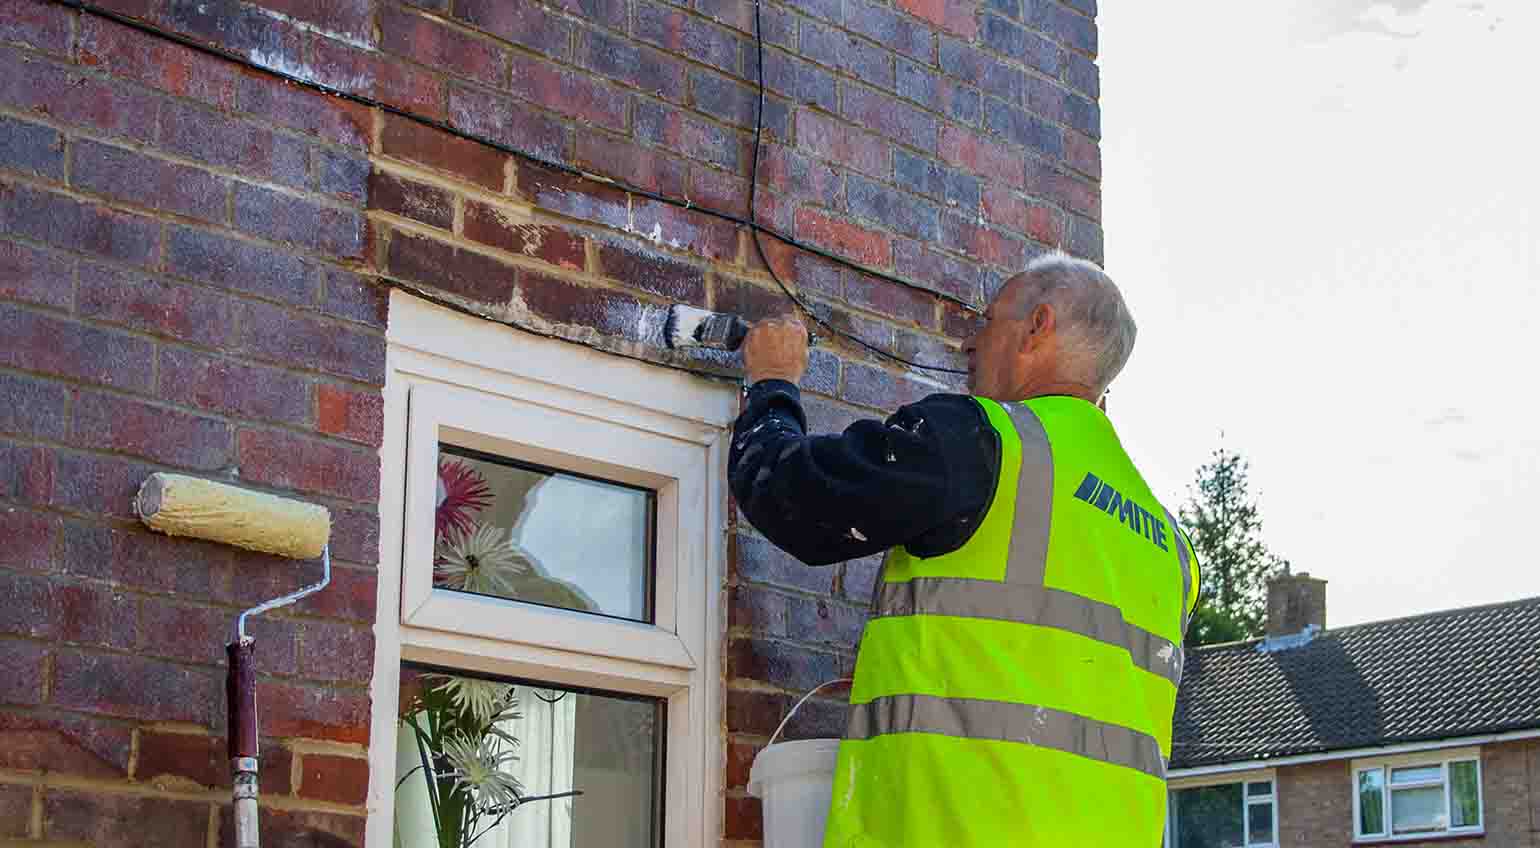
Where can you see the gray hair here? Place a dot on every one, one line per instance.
(1092, 317)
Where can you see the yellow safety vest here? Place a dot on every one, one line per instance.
(1019, 691)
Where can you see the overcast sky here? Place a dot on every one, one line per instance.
(1325, 216)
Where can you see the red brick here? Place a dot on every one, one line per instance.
(1083, 154)
(237, 28)
(686, 229)
(928, 351)
(867, 247)
(755, 713)
(27, 473)
(750, 301)
(330, 118)
(492, 226)
(138, 559)
(781, 664)
(57, 742)
(563, 302)
(829, 417)
(290, 461)
(287, 218)
(1065, 190)
(352, 18)
(981, 156)
(450, 268)
(26, 537)
(1005, 208)
(511, 122)
(292, 710)
(675, 129)
(890, 117)
(21, 684)
(757, 610)
(573, 196)
(425, 41)
(653, 273)
(190, 313)
(351, 595)
(31, 607)
(762, 562)
(298, 829)
(31, 148)
(240, 265)
(678, 32)
(52, 345)
(69, 223)
(95, 483)
(629, 62)
(957, 16)
(377, 75)
(743, 818)
(298, 341)
(217, 139)
(824, 621)
(621, 159)
(341, 174)
(410, 199)
(37, 408)
(94, 614)
(69, 97)
(355, 297)
(333, 651)
(194, 634)
(937, 271)
(353, 415)
(356, 535)
(204, 761)
(839, 142)
(134, 687)
(890, 299)
(41, 26)
(414, 142)
(527, 24)
(959, 323)
(569, 93)
(879, 388)
(740, 759)
(982, 244)
(158, 63)
(123, 819)
(783, 169)
(341, 780)
(15, 811)
(233, 387)
(722, 192)
(34, 275)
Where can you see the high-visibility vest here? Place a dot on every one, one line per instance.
(1019, 691)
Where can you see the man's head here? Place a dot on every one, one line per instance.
(1059, 327)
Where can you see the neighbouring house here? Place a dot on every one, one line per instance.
(435, 307)
(1414, 731)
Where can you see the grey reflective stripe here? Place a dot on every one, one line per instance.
(1028, 558)
(1007, 722)
(1185, 557)
(1035, 605)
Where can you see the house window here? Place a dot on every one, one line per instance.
(1232, 814)
(547, 648)
(1413, 797)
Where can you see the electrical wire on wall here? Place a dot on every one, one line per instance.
(751, 222)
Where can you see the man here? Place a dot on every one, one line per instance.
(1016, 680)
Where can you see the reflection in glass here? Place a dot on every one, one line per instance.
(1371, 802)
(1416, 810)
(1209, 817)
(1261, 818)
(548, 537)
(1465, 802)
(502, 764)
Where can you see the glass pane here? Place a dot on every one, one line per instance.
(547, 537)
(1209, 817)
(1420, 774)
(1417, 810)
(1260, 823)
(1371, 802)
(1465, 804)
(525, 764)
(1260, 787)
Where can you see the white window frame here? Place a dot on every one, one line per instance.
(479, 384)
(1175, 785)
(1442, 759)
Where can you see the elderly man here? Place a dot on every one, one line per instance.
(1016, 680)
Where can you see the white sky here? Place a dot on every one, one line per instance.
(1325, 216)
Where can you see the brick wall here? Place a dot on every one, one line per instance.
(1315, 801)
(193, 260)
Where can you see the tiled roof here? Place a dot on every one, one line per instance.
(1453, 673)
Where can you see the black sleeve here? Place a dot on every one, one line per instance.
(922, 478)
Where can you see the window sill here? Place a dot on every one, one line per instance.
(1462, 836)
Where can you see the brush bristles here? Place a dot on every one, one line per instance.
(684, 323)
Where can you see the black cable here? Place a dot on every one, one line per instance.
(194, 44)
(754, 228)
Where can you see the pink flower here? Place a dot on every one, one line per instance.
(462, 492)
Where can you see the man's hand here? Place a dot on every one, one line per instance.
(776, 349)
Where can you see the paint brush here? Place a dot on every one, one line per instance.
(688, 326)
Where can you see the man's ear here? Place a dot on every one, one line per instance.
(1041, 321)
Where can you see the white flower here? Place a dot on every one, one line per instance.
(479, 767)
(483, 699)
(483, 561)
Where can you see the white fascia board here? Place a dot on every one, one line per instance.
(1354, 753)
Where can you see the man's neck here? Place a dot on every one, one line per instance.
(1071, 389)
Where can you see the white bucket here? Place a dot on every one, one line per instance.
(795, 782)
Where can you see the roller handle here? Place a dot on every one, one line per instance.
(241, 696)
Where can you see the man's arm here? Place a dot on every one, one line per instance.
(926, 473)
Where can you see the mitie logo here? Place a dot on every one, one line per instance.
(1109, 500)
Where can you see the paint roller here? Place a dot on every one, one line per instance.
(178, 505)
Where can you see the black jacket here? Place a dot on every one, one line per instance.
(923, 478)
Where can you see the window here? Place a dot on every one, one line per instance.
(551, 523)
(1414, 796)
(1240, 813)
